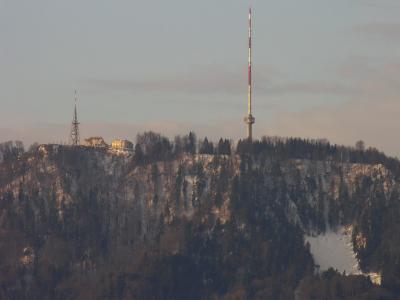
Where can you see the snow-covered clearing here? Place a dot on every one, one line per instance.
(335, 249)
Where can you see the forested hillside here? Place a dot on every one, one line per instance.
(188, 219)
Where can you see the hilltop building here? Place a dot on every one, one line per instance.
(96, 142)
(122, 145)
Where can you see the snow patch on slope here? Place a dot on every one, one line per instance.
(335, 249)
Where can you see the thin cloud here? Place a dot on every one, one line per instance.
(385, 30)
(220, 81)
(313, 88)
(385, 4)
(212, 80)
(372, 79)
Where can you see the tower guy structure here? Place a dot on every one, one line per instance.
(249, 119)
(75, 126)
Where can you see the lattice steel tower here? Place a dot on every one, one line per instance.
(249, 119)
(75, 126)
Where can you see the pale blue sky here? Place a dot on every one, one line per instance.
(323, 68)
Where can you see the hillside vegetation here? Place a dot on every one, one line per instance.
(194, 220)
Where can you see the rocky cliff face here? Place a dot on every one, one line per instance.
(86, 223)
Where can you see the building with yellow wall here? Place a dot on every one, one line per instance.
(122, 145)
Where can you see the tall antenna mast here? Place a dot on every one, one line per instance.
(75, 126)
(249, 119)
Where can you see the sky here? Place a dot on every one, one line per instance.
(322, 69)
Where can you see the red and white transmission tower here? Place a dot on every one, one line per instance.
(249, 119)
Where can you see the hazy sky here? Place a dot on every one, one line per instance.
(323, 68)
